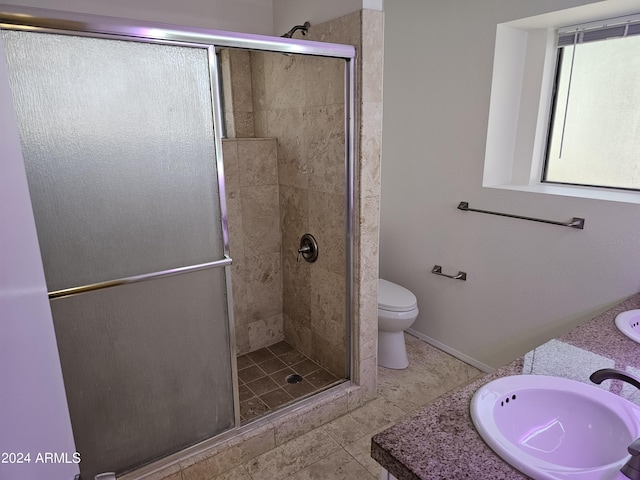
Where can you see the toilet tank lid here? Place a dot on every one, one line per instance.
(394, 297)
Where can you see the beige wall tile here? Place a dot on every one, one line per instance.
(372, 54)
(324, 81)
(370, 149)
(331, 357)
(328, 318)
(258, 162)
(298, 334)
(261, 235)
(294, 455)
(239, 290)
(370, 215)
(242, 340)
(230, 125)
(367, 343)
(296, 288)
(230, 156)
(324, 140)
(260, 124)
(229, 454)
(294, 216)
(260, 201)
(284, 81)
(346, 29)
(258, 82)
(237, 93)
(227, 93)
(366, 377)
(264, 286)
(308, 417)
(243, 124)
(326, 224)
(288, 127)
(368, 257)
(241, 80)
(260, 220)
(265, 332)
(234, 222)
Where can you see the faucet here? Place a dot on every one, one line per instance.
(631, 469)
(612, 374)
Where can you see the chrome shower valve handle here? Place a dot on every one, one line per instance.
(303, 250)
(308, 248)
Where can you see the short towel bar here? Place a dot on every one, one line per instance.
(574, 223)
(437, 269)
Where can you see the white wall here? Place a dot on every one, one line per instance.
(527, 282)
(33, 406)
(248, 16)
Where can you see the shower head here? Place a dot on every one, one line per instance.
(304, 29)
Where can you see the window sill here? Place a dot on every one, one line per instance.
(592, 193)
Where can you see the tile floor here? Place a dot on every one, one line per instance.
(339, 450)
(263, 374)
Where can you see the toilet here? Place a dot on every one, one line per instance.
(397, 310)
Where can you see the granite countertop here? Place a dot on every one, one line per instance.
(440, 442)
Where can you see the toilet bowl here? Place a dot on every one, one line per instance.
(397, 310)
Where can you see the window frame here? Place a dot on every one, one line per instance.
(560, 52)
(522, 89)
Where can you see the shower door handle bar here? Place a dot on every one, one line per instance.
(575, 222)
(437, 269)
(138, 278)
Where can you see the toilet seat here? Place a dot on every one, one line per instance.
(394, 298)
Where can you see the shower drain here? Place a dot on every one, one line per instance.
(293, 378)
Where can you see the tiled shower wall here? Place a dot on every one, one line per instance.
(251, 178)
(365, 30)
(300, 101)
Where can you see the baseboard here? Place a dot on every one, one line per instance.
(451, 351)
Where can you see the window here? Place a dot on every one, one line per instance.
(525, 66)
(594, 133)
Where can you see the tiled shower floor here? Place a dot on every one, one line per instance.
(262, 378)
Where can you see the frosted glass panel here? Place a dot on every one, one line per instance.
(119, 150)
(147, 368)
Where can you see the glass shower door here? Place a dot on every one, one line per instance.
(119, 148)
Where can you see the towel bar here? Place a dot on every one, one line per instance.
(437, 269)
(574, 223)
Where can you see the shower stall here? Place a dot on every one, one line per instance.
(285, 163)
(176, 176)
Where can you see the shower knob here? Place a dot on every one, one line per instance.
(308, 248)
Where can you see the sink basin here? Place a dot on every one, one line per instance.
(629, 323)
(556, 428)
